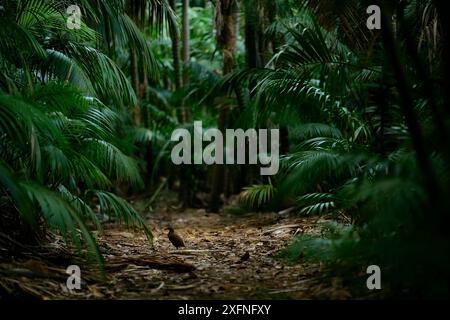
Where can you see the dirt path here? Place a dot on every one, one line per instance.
(233, 257)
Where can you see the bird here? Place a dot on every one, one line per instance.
(176, 240)
(245, 257)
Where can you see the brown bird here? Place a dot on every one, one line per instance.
(176, 240)
(245, 257)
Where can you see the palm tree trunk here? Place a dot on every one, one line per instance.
(226, 42)
(135, 84)
(186, 40)
(185, 110)
(252, 35)
(174, 35)
(185, 194)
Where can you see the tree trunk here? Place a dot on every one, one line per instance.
(226, 42)
(185, 194)
(135, 83)
(186, 40)
(252, 34)
(175, 37)
(185, 110)
(139, 80)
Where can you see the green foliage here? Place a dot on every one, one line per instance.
(351, 151)
(365, 121)
(62, 101)
(257, 196)
(54, 148)
(316, 203)
(323, 247)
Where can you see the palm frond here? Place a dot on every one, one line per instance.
(316, 203)
(112, 205)
(109, 81)
(257, 196)
(112, 160)
(59, 215)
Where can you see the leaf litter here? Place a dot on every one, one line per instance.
(226, 257)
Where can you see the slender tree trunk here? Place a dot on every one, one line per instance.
(226, 42)
(273, 42)
(135, 84)
(185, 109)
(178, 81)
(148, 153)
(253, 57)
(181, 79)
(252, 34)
(186, 40)
(175, 37)
(140, 81)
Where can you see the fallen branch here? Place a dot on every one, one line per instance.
(153, 262)
(288, 290)
(288, 226)
(186, 287)
(196, 251)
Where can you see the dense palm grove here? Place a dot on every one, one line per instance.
(86, 117)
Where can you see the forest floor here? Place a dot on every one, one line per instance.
(226, 257)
